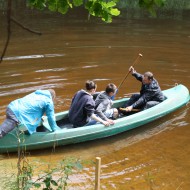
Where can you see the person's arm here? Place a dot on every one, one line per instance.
(99, 111)
(51, 116)
(98, 119)
(138, 76)
(134, 73)
(89, 107)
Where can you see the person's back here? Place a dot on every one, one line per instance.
(32, 107)
(33, 102)
(82, 108)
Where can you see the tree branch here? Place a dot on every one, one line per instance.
(24, 27)
(9, 19)
(8, 29)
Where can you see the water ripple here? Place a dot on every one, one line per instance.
(89, 66)
(29, 83)
(25, 87)
(30, 89)
(124, 171)
(100, 79)
(50, 70)
(180, 70)
(115, 162)
(33, 56)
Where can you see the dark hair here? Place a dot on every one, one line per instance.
(90, 85)
(149, 75)
(111, 88)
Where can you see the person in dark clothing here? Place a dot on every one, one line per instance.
(82, 108)
(103, 104)
(150, 93)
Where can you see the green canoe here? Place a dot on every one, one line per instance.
(177, 97)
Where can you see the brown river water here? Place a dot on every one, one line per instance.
(71, 50)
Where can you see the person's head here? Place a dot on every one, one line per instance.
(53, 94)
(111, 89)
(147, 78)
(90, 86)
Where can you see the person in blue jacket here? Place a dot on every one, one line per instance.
(150, 93)
(29, 110)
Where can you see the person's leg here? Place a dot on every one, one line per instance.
(9, 124)
(91, 122)
(111, 113)
(150, 104)
(132, 100)
(115, 113)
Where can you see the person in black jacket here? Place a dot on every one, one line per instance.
(82, 108)
(150, 93)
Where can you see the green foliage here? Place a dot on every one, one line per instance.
(151, 4)
(40, 4)
(77, 3)
(9, 182)
(60, 6)
(52, 178)
(104, 9)
(55, 178)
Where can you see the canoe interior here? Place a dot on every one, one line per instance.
(63, 122)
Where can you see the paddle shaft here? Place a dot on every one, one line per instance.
(136, 60)
(134, 110)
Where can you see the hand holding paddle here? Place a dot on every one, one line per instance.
(131, 69)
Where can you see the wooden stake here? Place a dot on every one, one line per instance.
(97, 174)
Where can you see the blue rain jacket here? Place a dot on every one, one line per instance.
(32, 107)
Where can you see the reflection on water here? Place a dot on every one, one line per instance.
(154, 156)
(46, 85)
(32, 56)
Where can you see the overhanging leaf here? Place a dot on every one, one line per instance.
(77, 2)
(115, 12)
